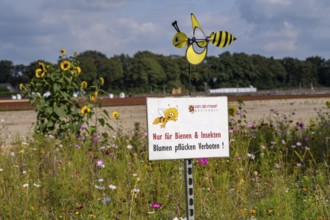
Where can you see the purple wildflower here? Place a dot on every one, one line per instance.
(251, 126)
(83, 128)
(81, 138)
(203, 161)
(156, 205)
(97, 138)
(300, 124)
(100, 163)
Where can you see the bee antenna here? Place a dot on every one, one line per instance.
(175, 25)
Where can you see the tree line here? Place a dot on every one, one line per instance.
(146, 72)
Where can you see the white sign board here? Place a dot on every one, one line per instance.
(187, 128)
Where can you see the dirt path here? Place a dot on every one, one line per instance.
(19, 124)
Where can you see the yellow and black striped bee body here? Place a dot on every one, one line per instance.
(221, 38)
(160, 120)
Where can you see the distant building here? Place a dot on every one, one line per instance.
(250, 89)
(176, 91)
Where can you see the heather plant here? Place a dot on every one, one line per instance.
(63, 102)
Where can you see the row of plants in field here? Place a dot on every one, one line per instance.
(81, 165)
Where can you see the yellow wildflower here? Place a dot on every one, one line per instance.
(65, 65)
(101, 81)
(85, 110)
(252, 211)
(63, 52)
(92, 216)
(115, 115)
(83, 85)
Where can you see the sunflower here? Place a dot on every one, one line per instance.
(42, 66)
(40, 73)
(327, 103)
(78, 69)
(65, 65)
(101, 79)
(93, 96)
(21, 86)
(63, 52)
(115, 115)
(85, 110)
(83, 85)
(232, 110)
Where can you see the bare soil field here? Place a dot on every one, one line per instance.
(19, 124)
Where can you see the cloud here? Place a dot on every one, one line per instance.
(286, 27)
(279, 28)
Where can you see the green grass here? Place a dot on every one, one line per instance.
(276, 170)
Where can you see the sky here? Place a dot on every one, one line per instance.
(39, 29)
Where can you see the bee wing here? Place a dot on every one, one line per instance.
(161, 112)
(199, 35)
(221, 38)
(194, 57)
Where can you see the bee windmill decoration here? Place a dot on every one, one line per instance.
(180, 40)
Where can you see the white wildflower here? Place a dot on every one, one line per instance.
(99, 187)
(112, 187)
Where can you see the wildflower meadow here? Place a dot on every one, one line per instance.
(78, 165)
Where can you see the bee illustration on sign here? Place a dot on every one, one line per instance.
(180, 40)
(169, 114)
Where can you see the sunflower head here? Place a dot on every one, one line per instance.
(94, 96)
(65, 65)
(83, 85)
(78, 69)
(327, 103)
(39, 73)
(101, 79)
(63, 52)
(21, 86)
(85, 110)
(232, 110)
(42, 66)
(115, 115)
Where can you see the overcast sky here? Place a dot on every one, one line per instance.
(38, 29)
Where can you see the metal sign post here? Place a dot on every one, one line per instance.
(188, 169)
(188, 175)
